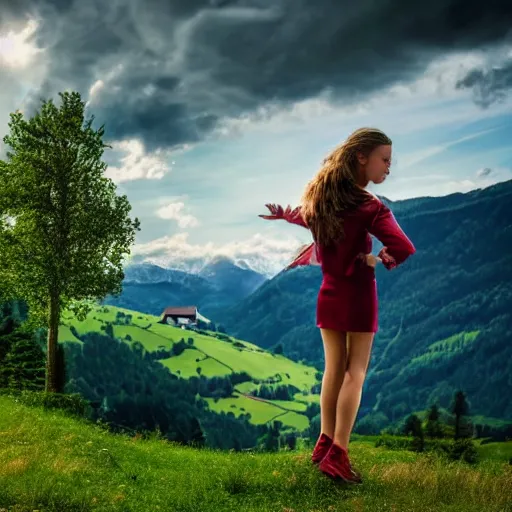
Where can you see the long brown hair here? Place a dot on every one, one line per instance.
(334, 189)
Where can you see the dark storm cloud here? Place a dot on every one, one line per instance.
(172, 69)
(484, 172)
(489, 86)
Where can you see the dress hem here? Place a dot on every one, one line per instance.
(322, 325)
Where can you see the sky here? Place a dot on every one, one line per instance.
(214, 108)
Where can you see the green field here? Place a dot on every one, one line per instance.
(263, 412)
(50, 461)
(186, 365)
(214, 358)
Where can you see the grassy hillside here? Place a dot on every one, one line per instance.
(212, 357)
(50, 461)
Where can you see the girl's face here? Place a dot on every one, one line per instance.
(375, 167)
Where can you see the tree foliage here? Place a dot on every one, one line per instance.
(64, 231)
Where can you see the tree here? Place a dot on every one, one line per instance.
(433, 426)
(63, 230)
(22, 362)
(109, 330)
(413, 426)
(291, 440)
(460, 408)
(278, 349)
(197, 436)
(271, 441)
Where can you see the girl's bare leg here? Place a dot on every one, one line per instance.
(335, 351)
(359, 346)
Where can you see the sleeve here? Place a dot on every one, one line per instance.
(306, 255)
(397, 247)
(278, 212)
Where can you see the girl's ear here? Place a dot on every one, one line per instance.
(361, 158)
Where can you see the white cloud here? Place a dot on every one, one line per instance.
(96, 88)
(102, 84)
(137, 164)
(263, 254)
(175, 211)
(17, 50)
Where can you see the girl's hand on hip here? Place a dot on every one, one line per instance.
(370, 259)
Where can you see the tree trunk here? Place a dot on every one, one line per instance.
(52, 368)
(457, 426)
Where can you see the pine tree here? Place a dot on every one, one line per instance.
(460, 408)
(433, 426)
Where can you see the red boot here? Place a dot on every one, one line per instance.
(336, 465)
(321, 448)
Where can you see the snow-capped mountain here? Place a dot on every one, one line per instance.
(219, 283)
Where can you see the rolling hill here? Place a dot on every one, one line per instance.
(213, 356)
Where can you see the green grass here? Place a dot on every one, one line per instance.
(50, 461)
(261, 412)
(214, 357)
(66, 335)
(150, 340)
(487, 420)
(295, 406)
(286, 412)
(246, 387)
(307, 399)
(496, 451)
(186, 365)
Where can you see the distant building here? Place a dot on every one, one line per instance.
(182, 316)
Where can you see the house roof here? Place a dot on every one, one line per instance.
(181, 311)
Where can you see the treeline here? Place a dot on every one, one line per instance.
(453, 436)
(279, 392)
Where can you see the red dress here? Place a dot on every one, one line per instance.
(347, 299)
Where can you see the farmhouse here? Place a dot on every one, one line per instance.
(182, 316)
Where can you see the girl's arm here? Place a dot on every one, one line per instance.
(292, 216)
(397, 247)
(307, 254)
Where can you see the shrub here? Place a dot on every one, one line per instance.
(73, 403)
(464, 449)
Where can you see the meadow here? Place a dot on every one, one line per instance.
(52, 461)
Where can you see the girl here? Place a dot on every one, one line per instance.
(342, 215)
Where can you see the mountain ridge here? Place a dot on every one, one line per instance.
(150, 288)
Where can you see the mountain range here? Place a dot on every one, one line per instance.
(150, 288)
